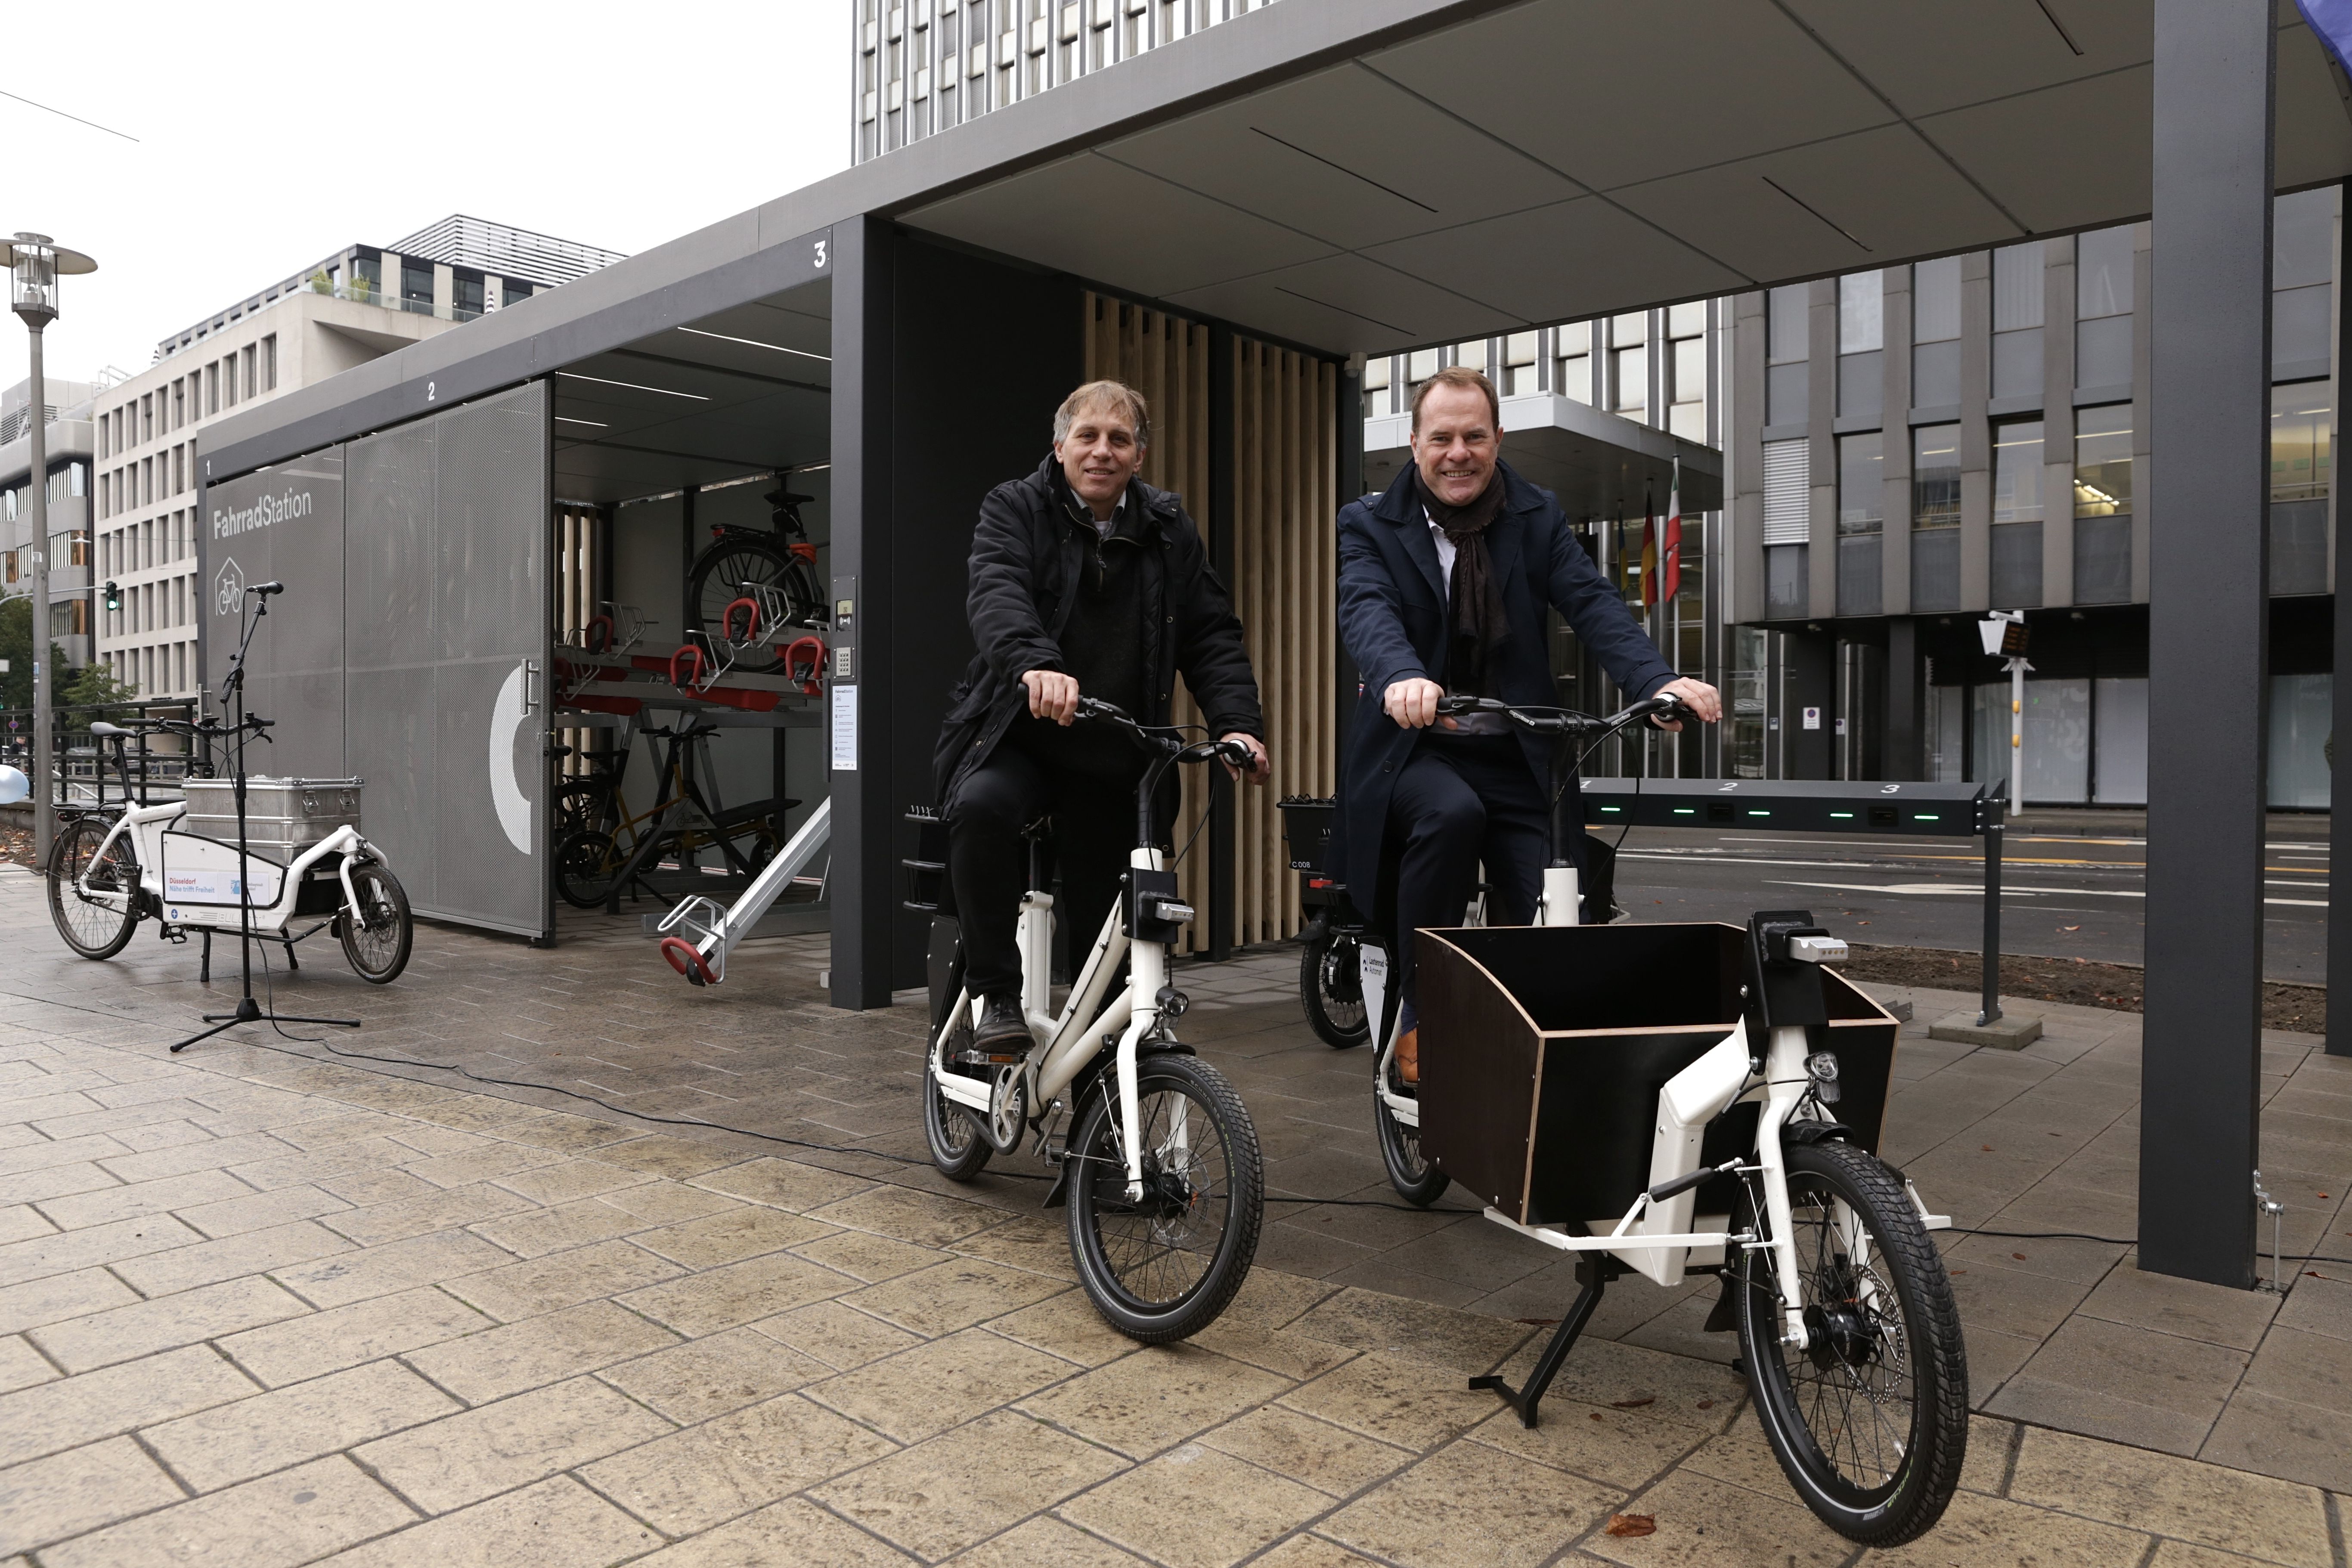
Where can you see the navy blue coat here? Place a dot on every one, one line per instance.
(1392, 619)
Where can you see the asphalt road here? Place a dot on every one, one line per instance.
(2072, 886)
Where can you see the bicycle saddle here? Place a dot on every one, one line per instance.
(786, 498)
(100, 727)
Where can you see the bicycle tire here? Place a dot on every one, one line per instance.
(717, 579)
(1859, 1351)
(586, 862)
(580, 806)
(1326, 977)
(1176, 1200)
(958, 1151)
(1416, 1181)
(378, 946)
(104, 931)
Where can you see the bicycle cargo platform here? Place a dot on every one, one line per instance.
(1543, 1051)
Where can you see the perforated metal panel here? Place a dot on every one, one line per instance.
(447, 638)
(283, 524)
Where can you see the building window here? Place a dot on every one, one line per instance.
(1419, 366)
(2017, 471)
(417, 286)
(2102, 460)
(1862, 338)
(2299, 455)
(1629, 364)
(1787, 390)
(1572, 346)
(179, 403)
(1936, 476)
(1787, 492)
(1519, 365)
(1862, 501)
(1936, 333)
(250, 383)
(1472, 356)
(512, 289)
(1377, 373)
(1687, 372)
(211, 388)
(2017, 320)
(367, 279)
(466, 297)
(2102, 307)
(269, 363)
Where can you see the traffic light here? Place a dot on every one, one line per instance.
(113, 596)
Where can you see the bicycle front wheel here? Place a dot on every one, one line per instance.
(1332, 992)
(1870, 1420)
(1415, 1180)
(377, 939)
(586, 863)
(1163, 1266)
(91, 928)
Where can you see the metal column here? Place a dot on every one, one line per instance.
(2339, 890)
(2208, 636)
(863, 875)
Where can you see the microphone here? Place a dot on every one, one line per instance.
(265, 589)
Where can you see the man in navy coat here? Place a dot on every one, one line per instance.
(1443, 579)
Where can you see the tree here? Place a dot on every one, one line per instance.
(95, 686)
(16, 649)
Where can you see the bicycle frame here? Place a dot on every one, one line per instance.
(1076, 1035)
(146, 828)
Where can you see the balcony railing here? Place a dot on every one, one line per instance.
(366, 293)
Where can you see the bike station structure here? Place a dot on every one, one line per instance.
(1228, 221)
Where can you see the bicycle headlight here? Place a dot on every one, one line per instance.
(1822, 1069)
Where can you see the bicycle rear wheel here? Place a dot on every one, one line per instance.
(1162, 1268)
(1332, 991)
(92, 929)
(736, 567)
(1870, 1420)
(958, 1150)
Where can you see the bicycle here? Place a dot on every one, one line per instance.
(1849, 1335)
(1161, 1174)
(111, 867)
(591, 867)
(773, 571)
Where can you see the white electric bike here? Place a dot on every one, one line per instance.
(109, 869)
(1160, 1172)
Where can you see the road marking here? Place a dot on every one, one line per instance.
(1922, 888)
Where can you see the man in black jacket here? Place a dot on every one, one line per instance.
(1083, 579)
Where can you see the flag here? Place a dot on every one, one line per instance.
(1649, 555)
(2331, 21)
(1670, 557)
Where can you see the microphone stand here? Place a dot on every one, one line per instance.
(248, 1011)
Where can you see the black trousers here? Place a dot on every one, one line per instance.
(1093, 833)
(1462, 800)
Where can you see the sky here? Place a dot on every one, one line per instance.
(269, 136)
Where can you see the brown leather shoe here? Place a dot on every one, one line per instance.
(1407, 1055)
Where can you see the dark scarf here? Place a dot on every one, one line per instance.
(1477, 625)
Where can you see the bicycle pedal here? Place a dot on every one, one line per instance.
(990, 1058)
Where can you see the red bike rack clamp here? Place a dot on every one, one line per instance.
(687, 959)
(751, 608)
(804, 661)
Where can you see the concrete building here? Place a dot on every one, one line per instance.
(1914, 446)
(350, 307)
(70, 456)
(921, 66)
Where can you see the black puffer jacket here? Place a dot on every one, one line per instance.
(1026, 554)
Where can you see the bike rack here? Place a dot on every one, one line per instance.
(712, 931)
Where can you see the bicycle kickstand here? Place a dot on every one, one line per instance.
(1594, 1275)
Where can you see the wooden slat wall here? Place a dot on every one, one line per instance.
(1286, 577)
(577, 593)
(1285, 568)
(1166, 358)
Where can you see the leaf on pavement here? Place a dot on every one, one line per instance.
(1632, 1524)
(1632, 1403)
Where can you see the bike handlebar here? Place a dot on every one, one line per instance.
(1566, 720)
(1155, 739)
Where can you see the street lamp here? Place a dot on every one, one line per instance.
(36, 265)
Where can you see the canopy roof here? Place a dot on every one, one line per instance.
(1362, 175)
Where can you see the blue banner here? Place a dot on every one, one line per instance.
(2332, 20)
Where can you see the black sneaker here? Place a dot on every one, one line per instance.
(1001, 1032)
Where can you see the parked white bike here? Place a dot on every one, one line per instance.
(1162, 1173)
(112, 868)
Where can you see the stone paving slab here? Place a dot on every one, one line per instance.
(473, 1324)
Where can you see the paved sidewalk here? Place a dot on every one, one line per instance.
(263, 1309)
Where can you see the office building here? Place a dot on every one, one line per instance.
(69, 450)
(921, 66)
(349, 307)
(1916, 446)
